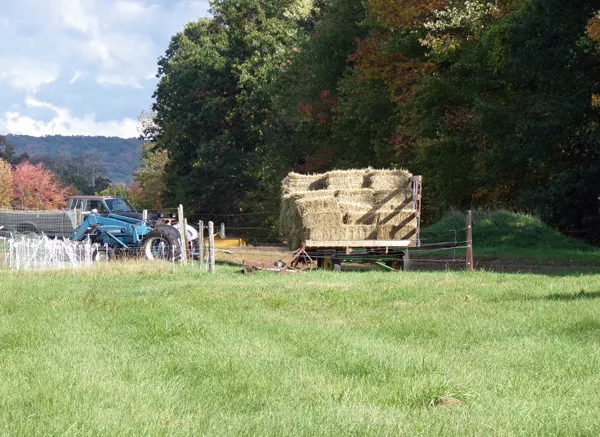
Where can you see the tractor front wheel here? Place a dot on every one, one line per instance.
(161, 245)
(103, 255)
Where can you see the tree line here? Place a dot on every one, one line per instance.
(494, 102)
(118, 157)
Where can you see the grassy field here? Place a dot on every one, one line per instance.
(135, 350)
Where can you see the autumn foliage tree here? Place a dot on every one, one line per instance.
(6, 184)
(36, 187)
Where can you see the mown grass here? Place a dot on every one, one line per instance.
(132, 349)
(510, 237)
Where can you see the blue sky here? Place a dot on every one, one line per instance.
(83, 67)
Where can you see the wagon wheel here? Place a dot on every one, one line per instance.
(331, 264)
(397, 263)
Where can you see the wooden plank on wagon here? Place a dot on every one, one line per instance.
(359, 243)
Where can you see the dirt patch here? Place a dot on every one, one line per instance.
(448, 401)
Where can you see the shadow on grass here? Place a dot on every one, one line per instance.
(581, 295)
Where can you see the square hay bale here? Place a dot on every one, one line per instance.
(394, 217)
(295, 182)
(359, 195)
(346, 205)
(360, 232)
(400, 198)
(359, 218)
(346, 179)
(324, 234)
(355, 207)
(308, 205)
(388, 179)
(325, 220)
(392, 232)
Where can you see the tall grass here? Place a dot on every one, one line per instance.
(135, 350)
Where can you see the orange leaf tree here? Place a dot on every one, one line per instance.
(6, 184)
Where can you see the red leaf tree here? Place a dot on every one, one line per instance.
(36, 187)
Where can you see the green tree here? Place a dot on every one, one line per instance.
(150, 178)
(212, 101)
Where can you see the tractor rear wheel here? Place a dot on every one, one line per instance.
(161, 244)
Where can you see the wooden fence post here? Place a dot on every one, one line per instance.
(183, 228)
(201, 243)
(470, 241)
(211, 247)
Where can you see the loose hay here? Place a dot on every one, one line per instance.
(347, 205)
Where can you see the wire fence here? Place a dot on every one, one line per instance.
(40, 252)
(241, 240)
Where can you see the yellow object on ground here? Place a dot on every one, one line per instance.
(227, 242)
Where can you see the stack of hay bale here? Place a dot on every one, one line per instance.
(345, 205)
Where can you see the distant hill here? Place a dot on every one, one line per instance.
(119, 156)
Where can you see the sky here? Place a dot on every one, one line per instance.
(83, 67)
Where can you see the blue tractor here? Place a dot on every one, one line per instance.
(117, 235)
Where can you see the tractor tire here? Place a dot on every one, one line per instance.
(162, 244)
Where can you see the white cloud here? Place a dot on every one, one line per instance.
(115, 79)
(28, 74)
(75, 14)
(126, 10)
(64, 123)
(113, 44)
(76, 76)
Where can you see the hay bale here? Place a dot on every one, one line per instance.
(359, 218)
(310, 215)
(345, 179)
(397, 232)
(295, 182)
(359, 195)
(381, 180)
(393, 198)
(323, 219)
(393, 217)
(359, 232)
(323, 234)
(347, 205)
(308, 205)
(355, 207)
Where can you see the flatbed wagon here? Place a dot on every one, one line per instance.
(329, 255)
